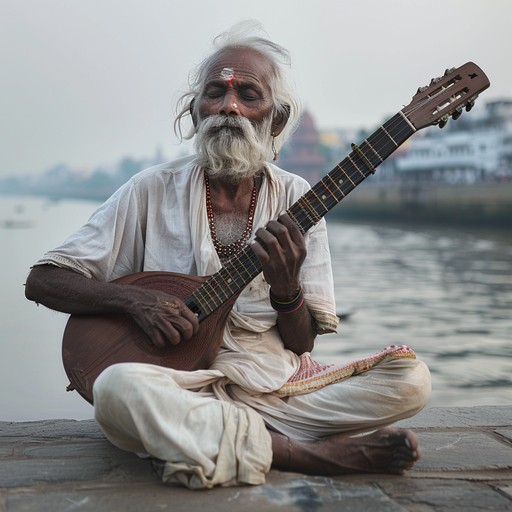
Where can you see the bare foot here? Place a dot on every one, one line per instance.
(387, 450)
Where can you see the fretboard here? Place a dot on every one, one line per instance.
(242, 268)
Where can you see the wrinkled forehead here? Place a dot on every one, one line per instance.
(240, 64)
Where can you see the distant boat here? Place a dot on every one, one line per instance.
(345, 312)
(16, 224)
(18, 220)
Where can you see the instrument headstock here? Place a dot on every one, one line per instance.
(446, 96)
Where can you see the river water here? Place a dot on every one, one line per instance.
(446, 293)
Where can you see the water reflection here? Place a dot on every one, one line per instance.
(446, 293)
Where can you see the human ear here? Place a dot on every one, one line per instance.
(280, 119)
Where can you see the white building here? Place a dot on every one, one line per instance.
(476, 147)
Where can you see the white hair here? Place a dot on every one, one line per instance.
(239, 37)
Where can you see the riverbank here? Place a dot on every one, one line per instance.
(66, 465)
(479, 205)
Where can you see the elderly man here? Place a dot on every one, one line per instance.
(229, 424)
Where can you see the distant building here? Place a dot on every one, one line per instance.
(303, 154)
(476, 147)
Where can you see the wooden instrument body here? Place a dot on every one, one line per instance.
(92, 343)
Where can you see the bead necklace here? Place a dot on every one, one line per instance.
(226, 251)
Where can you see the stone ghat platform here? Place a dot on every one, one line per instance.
(66, 465)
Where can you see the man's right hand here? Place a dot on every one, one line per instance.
(164, 318)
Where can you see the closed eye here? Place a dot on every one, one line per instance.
(215, 92)
(248, 93)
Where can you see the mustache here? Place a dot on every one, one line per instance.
(216, 123)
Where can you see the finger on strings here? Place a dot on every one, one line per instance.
(293, 230)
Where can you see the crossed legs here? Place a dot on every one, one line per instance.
(142, 408)
(320, 433)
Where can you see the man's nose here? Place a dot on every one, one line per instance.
(229, 105)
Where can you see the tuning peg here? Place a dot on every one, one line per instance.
(448, 71)
(422, 89)
(442, 122)
(457, 114)
(471, 102)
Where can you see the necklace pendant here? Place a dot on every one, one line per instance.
(225, 251)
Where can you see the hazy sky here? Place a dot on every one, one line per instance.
(86, 82)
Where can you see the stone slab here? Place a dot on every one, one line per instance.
(51, 429)
(439, 417)
(445, 495)
(44, 464)
(67, 465)
(462, 451)
(460, 417)
(286, 492)
(484, 416)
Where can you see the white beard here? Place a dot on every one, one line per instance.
(231, 147)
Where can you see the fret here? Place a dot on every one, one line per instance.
(291, 213)
(359, 151)
(247, 258)
(315, 217)
(374, 151)
(352, 161)
(335, 184)
(320, 199)
(242, 266)
(388, 134)
(311, 220)
(209, 289)
(298, 215)
(254, 261)
(399, 128)
(219, 290)
(227, 280)
(213, 291)
(345, 173)
(407, 120)
(205, 294)
(238, 282)
(203, 307)
(327, 197)
(210, 292)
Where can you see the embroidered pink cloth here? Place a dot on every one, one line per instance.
(313, 375)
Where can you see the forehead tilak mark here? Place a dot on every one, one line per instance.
(228, 74)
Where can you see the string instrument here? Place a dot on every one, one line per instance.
(92, 343)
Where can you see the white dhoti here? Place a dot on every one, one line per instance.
(210, 432)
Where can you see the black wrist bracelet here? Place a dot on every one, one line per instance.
(288, 306)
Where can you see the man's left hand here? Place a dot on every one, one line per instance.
(281, 249)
